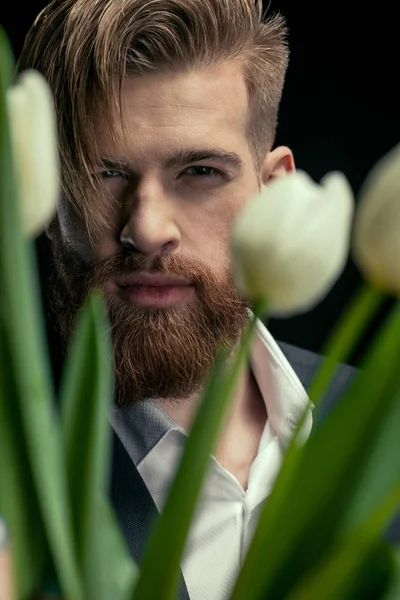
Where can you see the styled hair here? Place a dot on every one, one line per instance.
(83, 47)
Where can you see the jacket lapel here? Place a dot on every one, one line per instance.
(305, 364)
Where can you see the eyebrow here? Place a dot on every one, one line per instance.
(180, 158)
(183, 157)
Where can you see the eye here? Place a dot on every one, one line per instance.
(110, 174)
(201, 171)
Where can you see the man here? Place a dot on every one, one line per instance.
(167, 114)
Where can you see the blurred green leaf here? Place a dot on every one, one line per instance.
(86, 397)
(393, 593)
(382, 468)
(317, 482)
(361, 565)
(116, 571)
(159, 574)
(24, 328)
(7, 63)
(360, 570)
(18, 500)
(346, 335)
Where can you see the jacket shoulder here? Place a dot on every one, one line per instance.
(305, 363)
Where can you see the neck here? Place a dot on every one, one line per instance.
(241, 432)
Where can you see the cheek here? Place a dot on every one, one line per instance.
(104, 248)
(210, 235)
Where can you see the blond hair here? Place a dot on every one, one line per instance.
(81, 46)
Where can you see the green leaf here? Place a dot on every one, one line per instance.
(345, 336)
(23, 320)
(360, 566)
(393, 593)
(381, 470)
(7, 62)
(116, 571)
(307, 508)
(361, 569)
(18, 500)
(159, 575)
(86, 397)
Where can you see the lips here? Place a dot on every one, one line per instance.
(154, 290)
(152, 280)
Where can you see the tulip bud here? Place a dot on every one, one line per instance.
(34, 144)
(290, 244)
(376, 241)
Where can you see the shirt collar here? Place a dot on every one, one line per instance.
(284, 395)
(143, 425)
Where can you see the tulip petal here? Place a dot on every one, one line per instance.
(290, 244)
(35, 149)
(376, 245)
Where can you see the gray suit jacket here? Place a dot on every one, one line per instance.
(131, 499)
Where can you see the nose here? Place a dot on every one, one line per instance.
(151, 226)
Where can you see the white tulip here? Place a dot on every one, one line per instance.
(290, 244)
(376, 241)
(34, 145)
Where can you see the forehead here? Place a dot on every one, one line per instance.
(207, 106)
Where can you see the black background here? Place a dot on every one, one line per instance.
(340, 111)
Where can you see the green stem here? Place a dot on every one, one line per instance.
(345, 336)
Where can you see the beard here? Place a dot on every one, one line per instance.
(163, 354)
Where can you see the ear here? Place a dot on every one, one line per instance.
(277, 163)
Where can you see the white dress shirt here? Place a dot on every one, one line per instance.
(226, 515)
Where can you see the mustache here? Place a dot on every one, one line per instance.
(167, 264)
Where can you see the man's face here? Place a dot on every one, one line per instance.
(176, 175)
